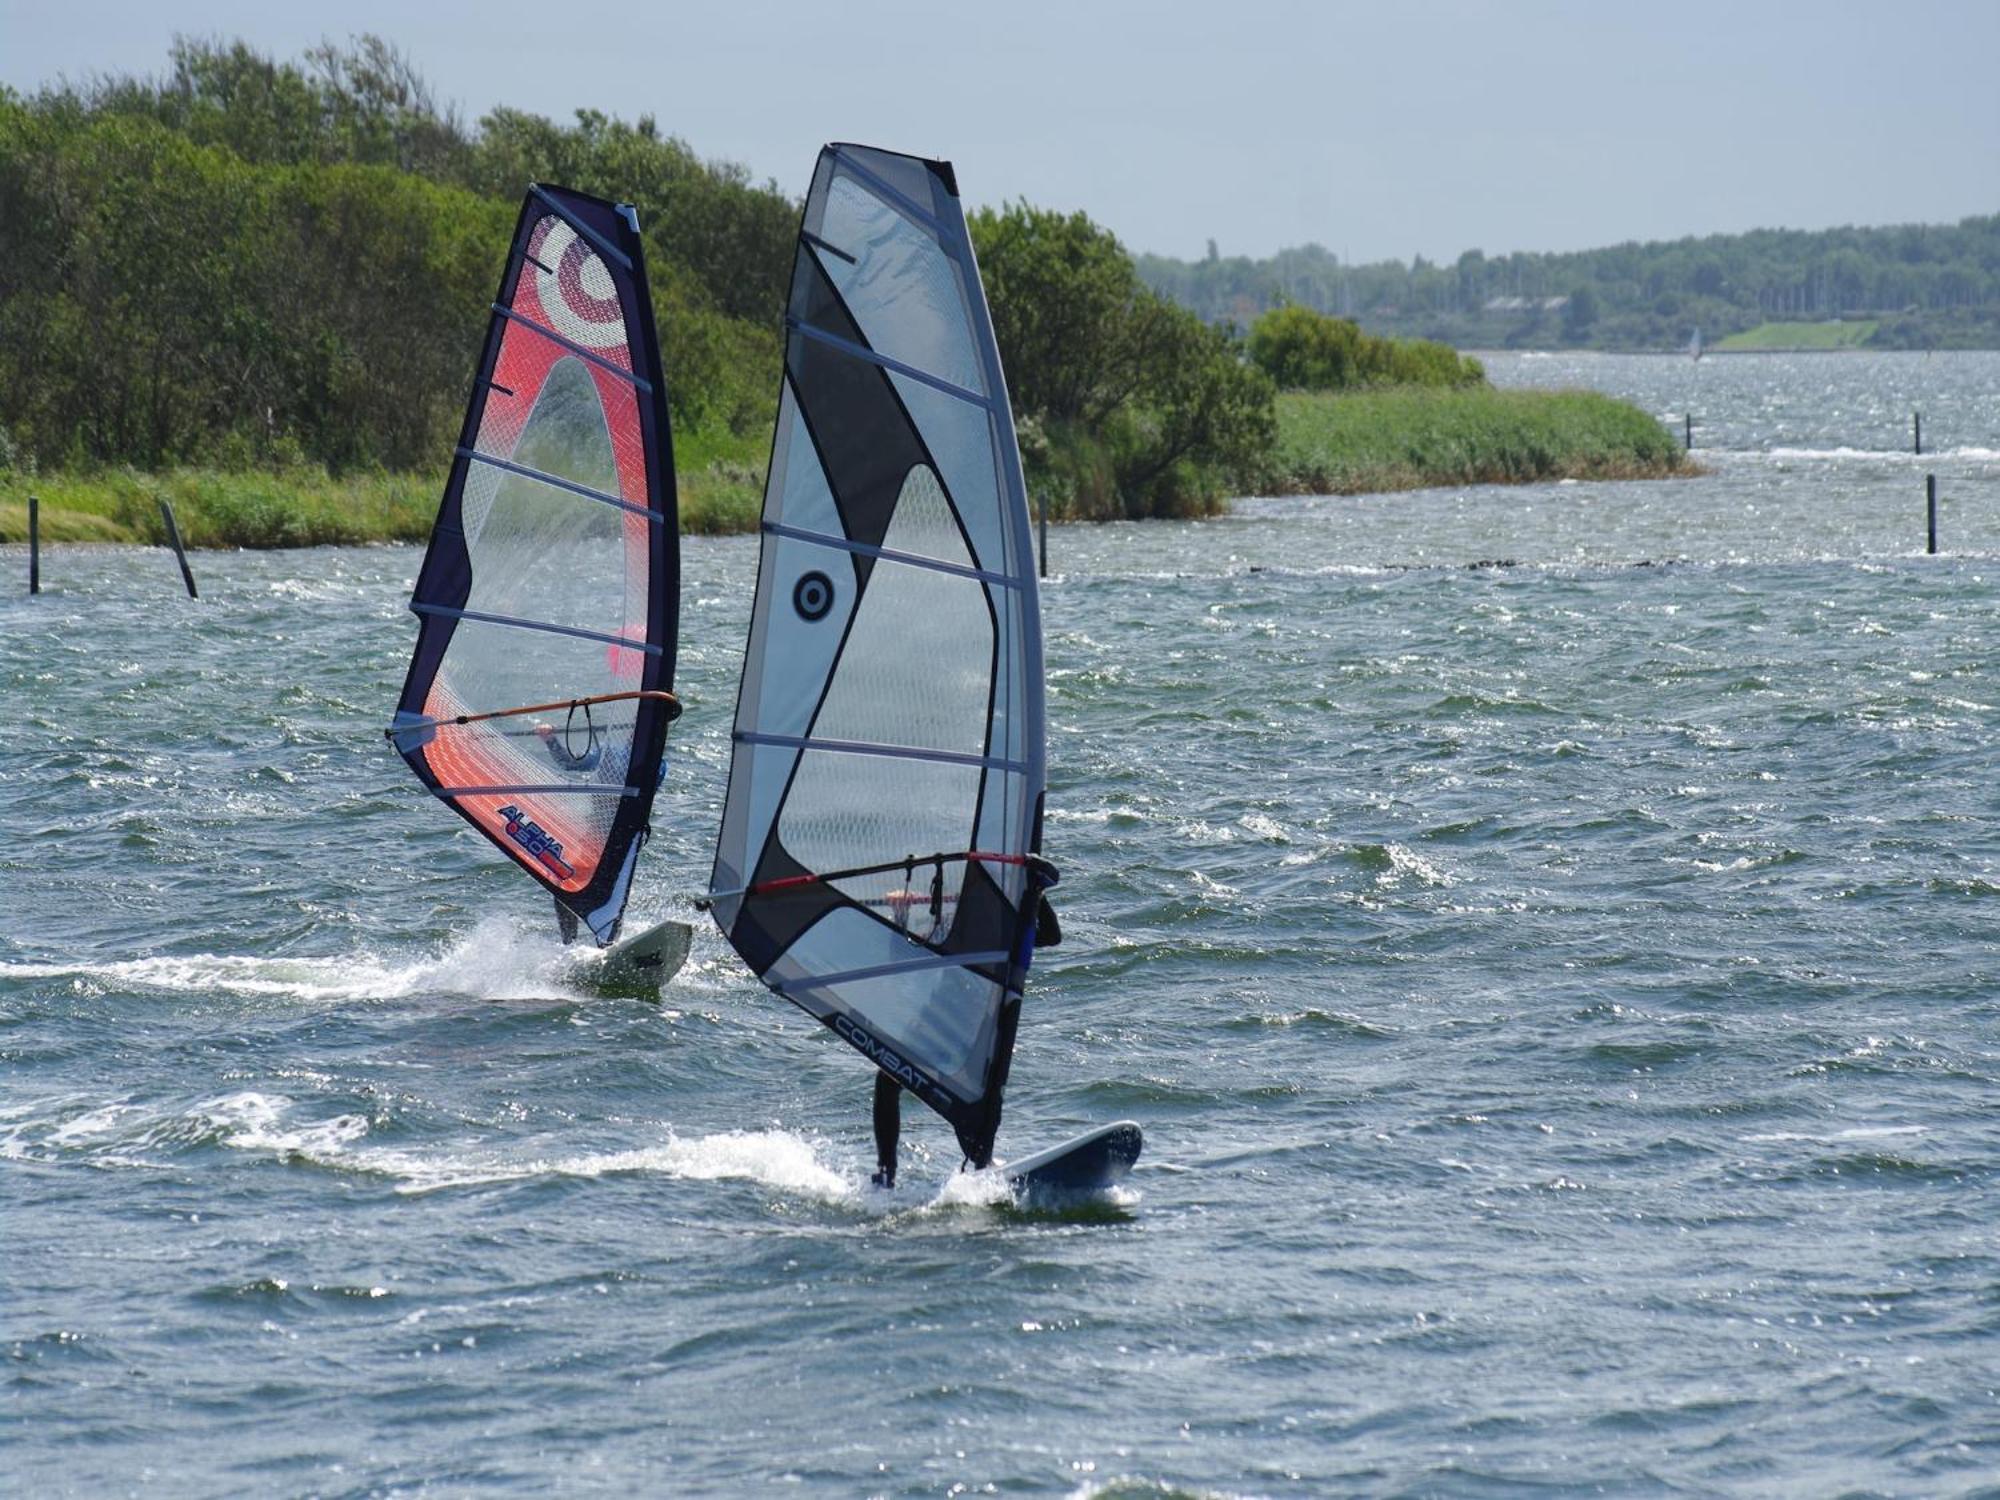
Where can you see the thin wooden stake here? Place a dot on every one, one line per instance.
(1690, 432)
(1042, 507)
(1930, 505)
(1917, 422)
(34, 544)
(180, 552)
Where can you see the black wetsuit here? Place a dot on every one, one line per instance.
(888, 1128)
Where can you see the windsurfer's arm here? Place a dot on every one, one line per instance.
(559, 752)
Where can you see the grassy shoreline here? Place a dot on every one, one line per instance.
(1799, 338)
(1357, 442)
(299, 507)
(1367, 442)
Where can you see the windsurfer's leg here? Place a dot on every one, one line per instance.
(888, 1128)
(566, 923)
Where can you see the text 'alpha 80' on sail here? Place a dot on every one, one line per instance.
(539, 694)
(878, 862)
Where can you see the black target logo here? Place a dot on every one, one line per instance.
(812, 596)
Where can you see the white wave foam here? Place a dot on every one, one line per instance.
(1885, 455)
(250, 1121)
(497, 959)
(774, 1158)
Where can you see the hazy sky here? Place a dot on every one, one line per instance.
(1379, 130)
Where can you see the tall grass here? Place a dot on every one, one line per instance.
(298, 507)
(1787, 336)
(1368, 441)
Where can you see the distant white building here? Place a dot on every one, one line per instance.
(1526, 304)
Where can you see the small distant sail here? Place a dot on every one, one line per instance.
(538, 699)
(878, 858)
(1694, 345)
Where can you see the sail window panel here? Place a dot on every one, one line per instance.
(542, 554)
(761, 773)
(845, 810)
(906, 174)
(797, 493)
(568, 420)
(1008, 737)
(793, 654)
(942, 1019)
(959, 439)
(916, 669)
(902, 288)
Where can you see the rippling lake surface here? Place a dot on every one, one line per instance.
(1550, 936)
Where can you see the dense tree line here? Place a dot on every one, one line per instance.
(251, 259)
(245, 261)
(1929, 285)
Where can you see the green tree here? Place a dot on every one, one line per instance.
(1301, 349)
(1580, 312)
(1130, 387)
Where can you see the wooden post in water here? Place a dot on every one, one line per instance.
(1917, 424)
(180, 552)
(1930, 506)
(34, 544)
(1690, 432)
(1042, 508)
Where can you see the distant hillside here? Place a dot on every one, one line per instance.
(1924, 286)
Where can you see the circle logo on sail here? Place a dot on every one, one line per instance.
(812, 596)
(576, 291)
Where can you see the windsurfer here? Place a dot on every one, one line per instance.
(608, 761)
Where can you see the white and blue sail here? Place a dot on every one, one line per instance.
(878, 862)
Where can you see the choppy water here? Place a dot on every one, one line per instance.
(1561, 1000)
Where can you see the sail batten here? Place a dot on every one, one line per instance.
(855, 351)
(581, 491)
(891, 699)
(875, 747)
(908, 559)
(598, 360)
(552, 576)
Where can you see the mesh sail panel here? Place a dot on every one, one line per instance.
(887, 766)
(552, 573)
